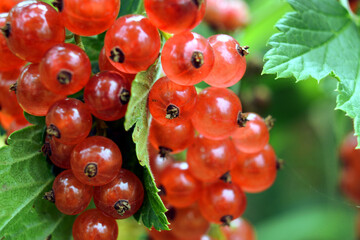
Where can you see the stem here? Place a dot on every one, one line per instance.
(79, 42)
(140, 9)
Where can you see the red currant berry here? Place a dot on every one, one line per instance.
(6, 5)
(230, 63)
(90, 17)
(348, 154)
(221, 202)
(105, 65)
(132, 44)
(255, 172)
(158, 163)
(68, 121)
(17, 124)
(171, 103)
(94, 224)
(60, 153)
(6, 120)
(175, 16)
(70, 195)
(107, 95)
(253, 137)
(32, 96)
(8, 61)
(216, 113)
(239, 229)
(122, 197)
(210, 159)
(349, 183)
(96, 161)
(32, 28)
(187, 58)
(181, 189)
(8, 100)
(65, 69)
(171, 139)
(227, 15)
(188, 223)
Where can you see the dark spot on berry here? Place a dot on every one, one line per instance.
(124, 96)
(226, 177)
(50, 196)
(122, 206)
(198, 2)
(242, 119)
(91, 170)
(116, 55)
(58, 4)
(164, 151)
(6, 30)
(13, 87)
(172, 112)
(64, 77)
(197, 59)
(226, 220)
(243, 51)
(46, 149)
(52, 130)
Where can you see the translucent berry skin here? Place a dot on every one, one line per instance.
(32, 96)
(60, 153)
(210, 159)
(230, 63)
(34, 28)
(94, 224)
(227, 15)
(8, 61)
(71, 196)
(175, 16)
(8, 100)
(90, 17)
(181, 188)
(187, 58)
(220, 202)
(158, 163)
(105, 65)
(102, 152)
(349, 184)
(125, 191)
(253, 137)
(172, 139)
(6, 5)
(239, 229)
(107, 95)
(65, 69)
(189, 223)
(171, 103)
(132, 44)
(216, 113)
(17, 124)
(348, 154)
(255, 172)
(72, 119)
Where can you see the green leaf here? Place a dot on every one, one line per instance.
(318, 40)
(137, 113)
(152, 211)
(24, 176)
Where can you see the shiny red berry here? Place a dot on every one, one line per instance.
(230, 63)
(216, 113)
(32, 28)
(6, 5)
(96, 160)
(94, 224)
(31, 94)
(65, 69)
(175, 16)
(90, 17)
(60, 153)
(171, 103)
(68, 121)
(71, 196)
(239, 229)
(132, 44)
(107, 95)
(122, 197)
(187, 58)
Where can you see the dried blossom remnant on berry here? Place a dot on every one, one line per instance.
(64, 77)
(6, 30)
(242, 119)
(53, 131)
(116, 55)
(91, 170)
(58, 4)
(164, 151)
(172, 112)
(226, 220)
(124, 96)
(243, 51)
(226, 177)
(50, 196)
(122, 206)
(197, 59)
